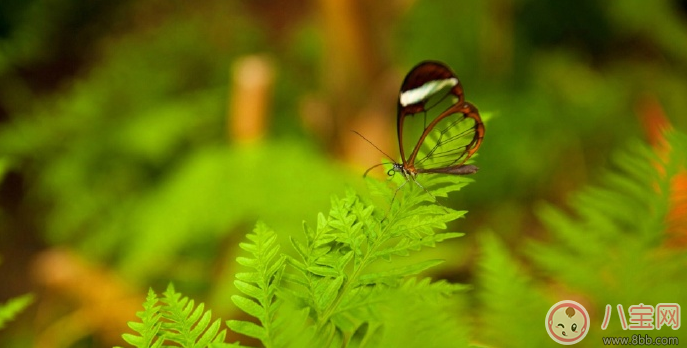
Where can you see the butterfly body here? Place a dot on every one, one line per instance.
(411, 172)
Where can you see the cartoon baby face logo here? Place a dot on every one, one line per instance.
(567, 322)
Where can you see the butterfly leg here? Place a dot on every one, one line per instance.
(396, 192)
(429, 193)
(393, 198)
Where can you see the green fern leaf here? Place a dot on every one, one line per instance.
(187, 324)
(175, 321)
(616, 245)
(327, 284)
(621, 222)
(249, 306)
(149, 326)
(249, 329)
(392, 277)
(366, 335)
(326, 291)
(506, 294)
(260, 285)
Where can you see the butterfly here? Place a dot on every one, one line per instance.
(438, 131)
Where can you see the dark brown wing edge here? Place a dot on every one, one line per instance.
(419, 75)
(470, 111)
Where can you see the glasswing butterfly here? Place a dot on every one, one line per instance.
(438, 131)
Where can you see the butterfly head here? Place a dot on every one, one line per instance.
(396, 168)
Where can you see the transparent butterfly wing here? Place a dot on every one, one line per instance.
(438, 131)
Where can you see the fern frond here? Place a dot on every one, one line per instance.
(395, 275)
(426, 288)
(328, 284)
(175, 319)
(421, 313)
(260, 285)
(10, 309)
(186, 323)
(615, 247)
(409, 227)
(406, 245)
(508, 299)
(619, 223)
(330, 298)
(366, 335)
(296, 330)
(149, 326)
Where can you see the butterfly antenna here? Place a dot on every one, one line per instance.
(371, 143)
(373, 167)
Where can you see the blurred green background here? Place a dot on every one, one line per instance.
(141, 140)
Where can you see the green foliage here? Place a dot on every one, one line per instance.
(511, 307)
(619, 224)
(614, 248)
(260, 285)
(116, 147)
(13, 307)
(330, 288)
(424, 314)
(329, 295)
(176, 320)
